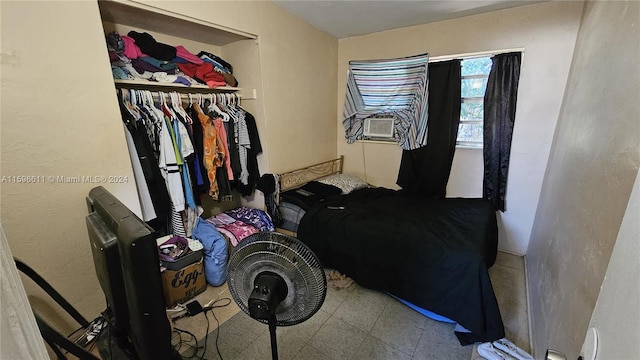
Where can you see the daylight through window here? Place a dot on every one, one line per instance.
(475, 72)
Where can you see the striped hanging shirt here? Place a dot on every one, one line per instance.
(397, 87)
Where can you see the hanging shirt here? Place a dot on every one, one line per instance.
(222, 133)
(212, 159)
(184, 170)
(244, 144)
(169, 167)
(198, 136)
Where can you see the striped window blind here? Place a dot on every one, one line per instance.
(390, 87)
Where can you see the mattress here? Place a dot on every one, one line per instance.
(434, 254)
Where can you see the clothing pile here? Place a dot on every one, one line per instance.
(181, 154)
(139, 56)
(237, 224)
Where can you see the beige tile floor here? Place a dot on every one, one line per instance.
(357, 323)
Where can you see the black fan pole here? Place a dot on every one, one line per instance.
(272, 332)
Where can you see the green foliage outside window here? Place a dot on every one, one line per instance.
(475, 72)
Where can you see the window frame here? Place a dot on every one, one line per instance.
(464, 144)
(462, 57)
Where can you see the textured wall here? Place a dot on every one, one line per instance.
(299, 75)
(547, 31)
(60, 117)
(617, 316)
(592, 167)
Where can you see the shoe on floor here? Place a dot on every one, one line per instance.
(490, 352)
(511, 349)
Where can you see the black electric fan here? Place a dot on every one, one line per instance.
(277, 280)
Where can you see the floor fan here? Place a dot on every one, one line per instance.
(277, 280)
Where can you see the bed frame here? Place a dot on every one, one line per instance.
(296, 178)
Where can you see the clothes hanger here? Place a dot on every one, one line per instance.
(214, 108)
(166, 107)
(181, 110)
(147, 105)
(176, 104)
(159, 115)
(124, 101)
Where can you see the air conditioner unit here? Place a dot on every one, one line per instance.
(378, 127)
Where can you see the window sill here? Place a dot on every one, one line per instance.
(463, 147)
(385, 142)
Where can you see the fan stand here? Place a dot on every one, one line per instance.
(277, 280)
(272, 334)
(269, 289)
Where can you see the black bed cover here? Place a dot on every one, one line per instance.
(434, 254)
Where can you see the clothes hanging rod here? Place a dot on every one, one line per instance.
(184, 90)
(185, 96)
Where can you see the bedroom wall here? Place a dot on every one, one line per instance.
(299, 74)
(616, 313)
(593, 164)
(547, 31)
(60, 117)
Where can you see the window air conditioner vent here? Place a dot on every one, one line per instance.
(378, 127)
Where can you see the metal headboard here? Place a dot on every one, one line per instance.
(296, 178)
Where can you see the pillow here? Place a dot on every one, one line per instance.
(347, 183)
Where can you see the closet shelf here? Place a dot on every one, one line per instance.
(161, 86)
(148, 17)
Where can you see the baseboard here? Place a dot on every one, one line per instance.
(528, 297)
(511, 252)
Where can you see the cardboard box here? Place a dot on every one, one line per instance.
(183, 284)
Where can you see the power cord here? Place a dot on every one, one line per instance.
(193, 309)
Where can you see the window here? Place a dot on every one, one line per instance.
(475, 72)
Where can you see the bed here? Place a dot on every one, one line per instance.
(433, 255)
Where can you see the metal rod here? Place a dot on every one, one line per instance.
(272, 333)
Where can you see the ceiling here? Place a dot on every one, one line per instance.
(346, 18)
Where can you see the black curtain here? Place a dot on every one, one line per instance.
(425, 171)
(499, 117)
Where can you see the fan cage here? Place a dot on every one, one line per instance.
(287, 257)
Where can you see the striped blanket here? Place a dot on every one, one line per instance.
(395, 87)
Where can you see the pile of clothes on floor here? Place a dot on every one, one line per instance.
(138, 56)
(237, 224)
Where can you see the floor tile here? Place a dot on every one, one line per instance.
(438, 341)
(374, 349)
(362, 308)
(337, 339)
(509, 286)
(226, 347)
(287, 346)
(335, 297)
(510, 260)
(240, 331)
(356, 323)
(399, 326)
(305, 330)
(310, 353)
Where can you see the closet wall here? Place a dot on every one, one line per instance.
(547, 31)
(299, 74)
(60, 117)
